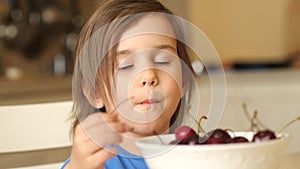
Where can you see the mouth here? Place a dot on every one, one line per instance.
(151, 101)
(147, 103)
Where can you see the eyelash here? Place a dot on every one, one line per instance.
(125, 67)
(162, 63)
(130, 66)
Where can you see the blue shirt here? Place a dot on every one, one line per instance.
(124, 160)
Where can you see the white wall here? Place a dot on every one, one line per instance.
(275, 94)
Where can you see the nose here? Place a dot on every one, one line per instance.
(148, 78)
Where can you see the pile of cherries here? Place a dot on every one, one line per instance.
(186, 135)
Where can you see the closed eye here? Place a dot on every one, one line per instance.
(125, 67)
(162, 62)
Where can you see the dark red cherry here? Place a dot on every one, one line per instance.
(184, 132)
(264, 135)
(219, 135)
(215, 141)
(191, 140)
(239, 139)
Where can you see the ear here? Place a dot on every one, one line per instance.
(99, 102)
(96, 101)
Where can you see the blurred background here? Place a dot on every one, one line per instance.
(37, 38)
(258, 43)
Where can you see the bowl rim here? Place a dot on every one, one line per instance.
(144, 143)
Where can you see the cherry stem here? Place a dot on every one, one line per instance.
(248, 116)
(246, 111)
(260, 123)
(288, 124)
(254, 120)
(198, 122)
(157, 135)
(200, 129)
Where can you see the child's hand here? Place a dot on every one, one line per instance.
(90, 137)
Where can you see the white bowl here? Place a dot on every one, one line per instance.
(263, 155)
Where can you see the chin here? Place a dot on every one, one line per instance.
(145, 130)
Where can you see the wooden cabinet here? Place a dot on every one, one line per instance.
(249, 31)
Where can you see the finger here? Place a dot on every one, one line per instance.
(97, 122)
(82, 142)
(87, 146)
(98, 119)
(106, 133)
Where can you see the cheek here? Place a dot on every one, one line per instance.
(171, 87)
(173, 94)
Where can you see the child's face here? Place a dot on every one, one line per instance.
(149, 74)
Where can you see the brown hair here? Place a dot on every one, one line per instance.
(94, 45)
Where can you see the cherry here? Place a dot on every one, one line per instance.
(191, 140)
(215, 141)
(184, 132)
(239, 139)
(264, 135)
(186, 135)
(219, 135)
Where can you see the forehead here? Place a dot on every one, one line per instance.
(150, 24)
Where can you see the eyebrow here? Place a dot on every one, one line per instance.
(166, 46)
(123, 52)
(163, 46)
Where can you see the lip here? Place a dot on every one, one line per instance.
(146, 104)
(149, 101)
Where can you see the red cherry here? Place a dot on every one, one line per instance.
(183, 132)
(264, 135)
(219, 135)
(215, 141)
(191, 140)
(239, 139)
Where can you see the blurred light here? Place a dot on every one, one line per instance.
(59, 62)
(71, 41)
(13, 73)
(16, 15)
(34, 18)
(11, 31)
(49, 15)
(198, 67)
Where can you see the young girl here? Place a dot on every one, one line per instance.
(130, 81)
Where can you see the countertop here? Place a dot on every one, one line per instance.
(35, 90)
